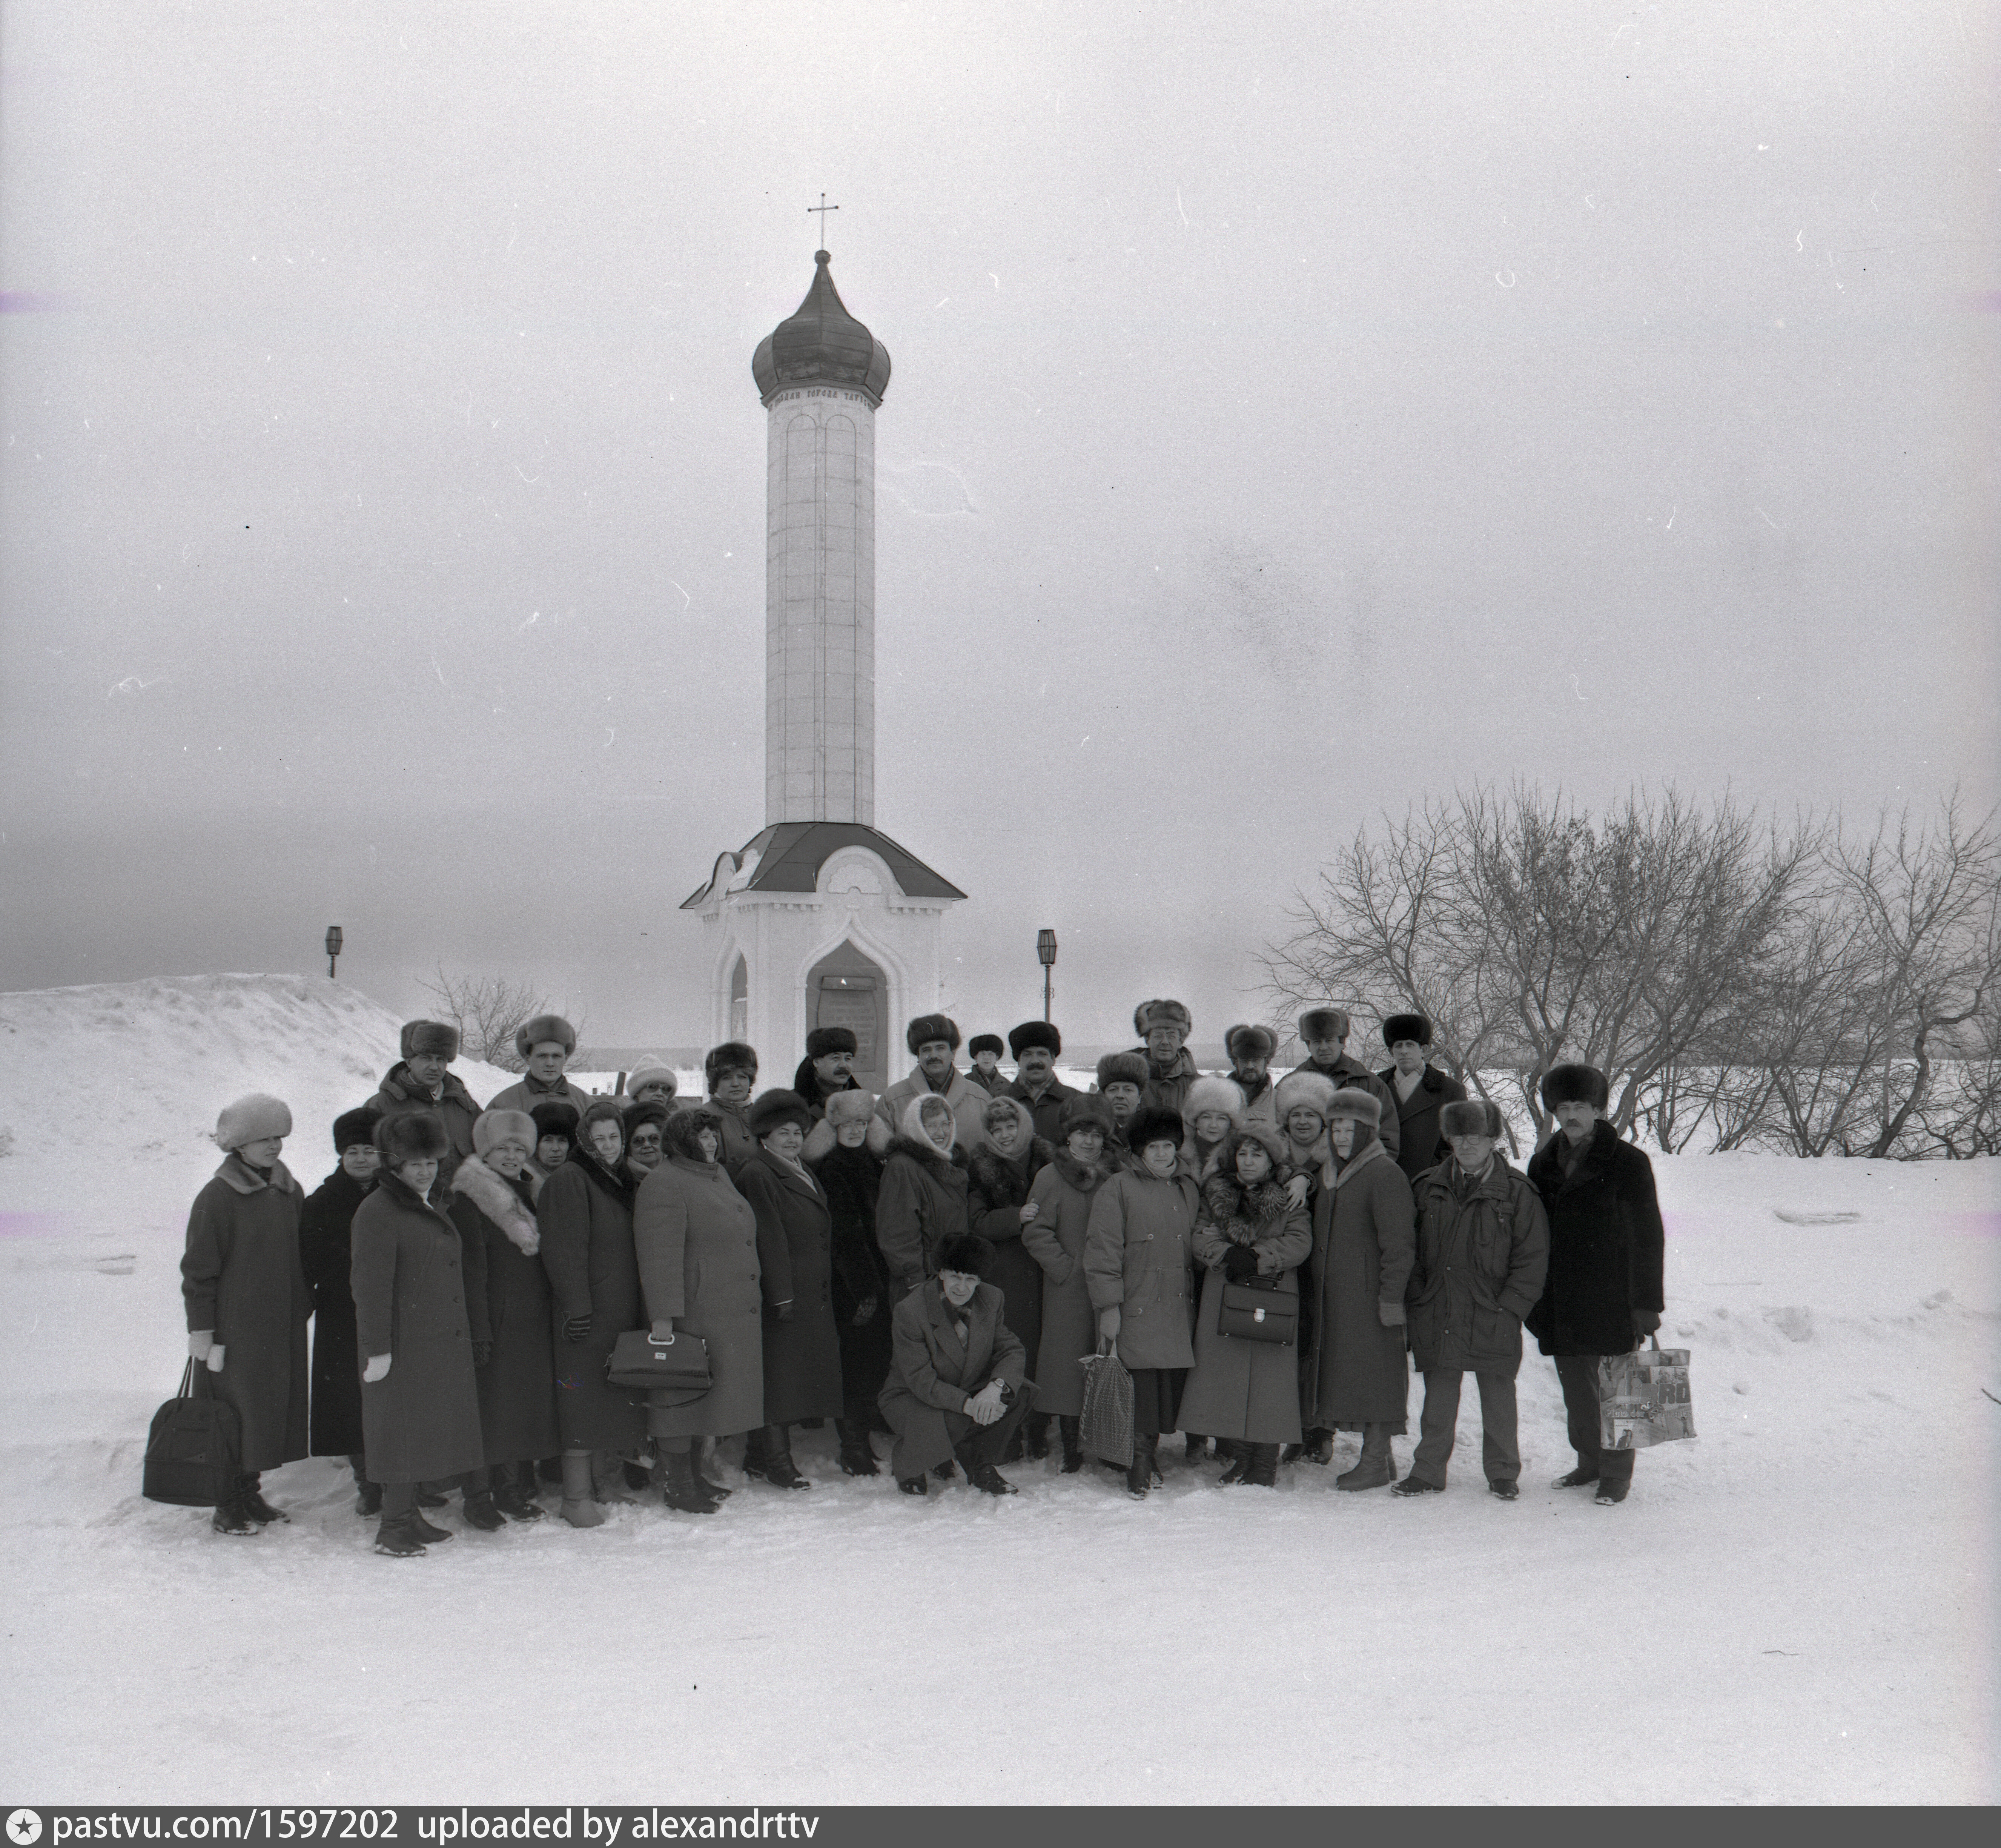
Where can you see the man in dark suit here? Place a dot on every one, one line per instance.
(1420, 1093)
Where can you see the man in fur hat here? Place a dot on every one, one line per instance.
(1036, 1046)
(1323, 1033)
(1164, 1027)
(1603, 1292)
(545, 1046)
(827, 1067)
(1251, 1049)
(933, 1039)
(1421, 1092)
(419, 1081)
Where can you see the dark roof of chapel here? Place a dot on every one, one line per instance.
(821, 344)
(790, 855)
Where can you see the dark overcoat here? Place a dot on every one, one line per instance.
(806, 1081)
(994, 1086)
(1137, 1251)
(852, 1178)
(241, 1277)
(696, 1239)
(1363, 1248)
(1047, 1109)
(1420, 1144)
(327, 1254)
(795, 1252)
(1607, 1246)
(401, 1095)
(420, 1421)
(507, 1301)
(1063, 1191)
(585, 1216)
(997, 1187)
(921, 1203)
(1482, 1249)
(1247, 1390)
(934, 1372)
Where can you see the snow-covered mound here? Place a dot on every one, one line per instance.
(109, 1093)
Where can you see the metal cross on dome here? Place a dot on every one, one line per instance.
(823, 208)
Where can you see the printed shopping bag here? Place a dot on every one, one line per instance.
(1643, 1398)
(1107, 1428)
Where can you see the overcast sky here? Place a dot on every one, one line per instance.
(1297, 410)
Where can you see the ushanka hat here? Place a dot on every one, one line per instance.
(774, 1109)
(546, 1029)
(1327, 1021)
(1122, 1068)
(1470, 1116)
(928, 1027)
(1250, 1043)
(252, 1119)
(1575, 1084)
(986, 1042)
(732, 1055)
(430, 1036)
(353, 1126)
(1407, 1026)
(1034, 1033)
(415, 1136)
(823, 1041)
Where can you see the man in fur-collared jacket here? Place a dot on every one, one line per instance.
(421, 1082)
(1421, 1092)
(933, 1039)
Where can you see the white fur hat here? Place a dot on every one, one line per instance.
(252, 1119)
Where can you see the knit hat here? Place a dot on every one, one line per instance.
(1223, 1094)
(1122, 1068)
(774, 1109)
(1302, 1088)
(1154, 1122)
(824, 1040)
(416, 1135)
(1084, 1113)
(1327, 1021)
(732, 1055)
(555, 1118)
(251, 1118)
(430, 1036)
(986, 1042)
(1363, 1106)
(1407, 1026)
(849, 1107)
(652, 1069)
(492, 1127)
(1575, 1084)
(1250, 1043)
(966, 1251)
(1033, 1033)
(543, 1029)
(1149, 1014)
(352, 1126)
(1471, 1116)
(927, 1027)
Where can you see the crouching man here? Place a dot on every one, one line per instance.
(1483, 1247)
(958, 1384)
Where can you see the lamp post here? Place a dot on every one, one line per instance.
(1046, 953)
(333, 943)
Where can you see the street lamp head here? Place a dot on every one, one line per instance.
(1045, 948)
(333, 939)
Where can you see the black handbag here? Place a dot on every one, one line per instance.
(194, 1449)
(673, 1372)
(1258, 1312)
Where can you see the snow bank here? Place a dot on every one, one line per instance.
(1799, 1607)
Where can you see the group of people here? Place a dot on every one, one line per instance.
(1268, 1259)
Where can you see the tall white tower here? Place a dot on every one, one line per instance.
(819, 920)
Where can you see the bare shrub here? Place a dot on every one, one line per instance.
(489, 1011)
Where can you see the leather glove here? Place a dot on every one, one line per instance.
(576, 1328)
(1391, 1315)
(784, 1310)
(482, 1352)
(199, 1341)
(1645, 1321)
(377, 1368)
(1240, 1263)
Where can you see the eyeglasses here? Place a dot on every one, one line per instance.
(647, 1139)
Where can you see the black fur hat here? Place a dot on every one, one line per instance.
(416, 1135)
(638, 1115)
(1033, 1033)
(966, 1251)
(927, 1027)
(1325, 1022)
(1250, 1042)
(1407, 1026)
(732, 1055)
(1122, 1068)
(986, 1042)
(775, 1108)
(555, 1117)
(352, 1126)
(822, 1041)
(1085, 1113)
(1575, 1084)
(1471, 1116)
(1154, 1122)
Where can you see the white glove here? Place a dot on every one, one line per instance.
(199, 1341)
(377, 1368)
(215, 1358)
(985, 1406)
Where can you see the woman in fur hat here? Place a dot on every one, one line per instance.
(1246, 1392)
(1421, 1092)
(922, 1199)
(795, 1256)
(730, 1070)
(1122, 1082)
(1356, 1377)
(696, 1240)
(1251, 1049)
(1136, 1255)
(419, 1403)
(842, 1153)
(1055, 1219)
(584, 1212)
(420, 1081)
(245, 1293)
(644, 1123)
(998, 1174)
(1300, 1102)
(493, 1196)
(545, 1046)
(326, 1253)
(555, 1136)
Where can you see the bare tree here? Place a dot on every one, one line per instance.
(487, 1012)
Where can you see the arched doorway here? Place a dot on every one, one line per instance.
(845, 989)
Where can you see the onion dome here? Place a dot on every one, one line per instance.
(823, 344)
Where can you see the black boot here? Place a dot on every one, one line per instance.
(779, 1470)
(232, 1517)
(1320, 1447)
(512, 1489)
(753, 1453)
(1139, 1476)
(1035, 1439)
(685, 1492)
(1072, 1432)
(857, 1455)
(1240, 1461)
(481, 1512)
(1262, 1469)
(397, 1538)
(1196, 1448)
(425, 1531)
(256, 1506)
(912, 1485)
(368, 1504)
(989, 1481)
(549, 1469)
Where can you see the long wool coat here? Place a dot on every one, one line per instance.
(739, 1145)
(1482, 1250)
(795, 1251)
(696, 1238)
(922, 1203)
(1137, 1249)
(421, 1421)
(241, 1277)
(1363, 1248)
(585, 1216)
(934, 1372)
(1607, 1246)
(326, 1253)
(852, 1178)
(1244, 1389)
(997, 1187)
(1062, 1192)
(507, 1301)
(401, 1095)
(1420, 1145)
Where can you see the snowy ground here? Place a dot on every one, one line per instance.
(1799, 1606)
